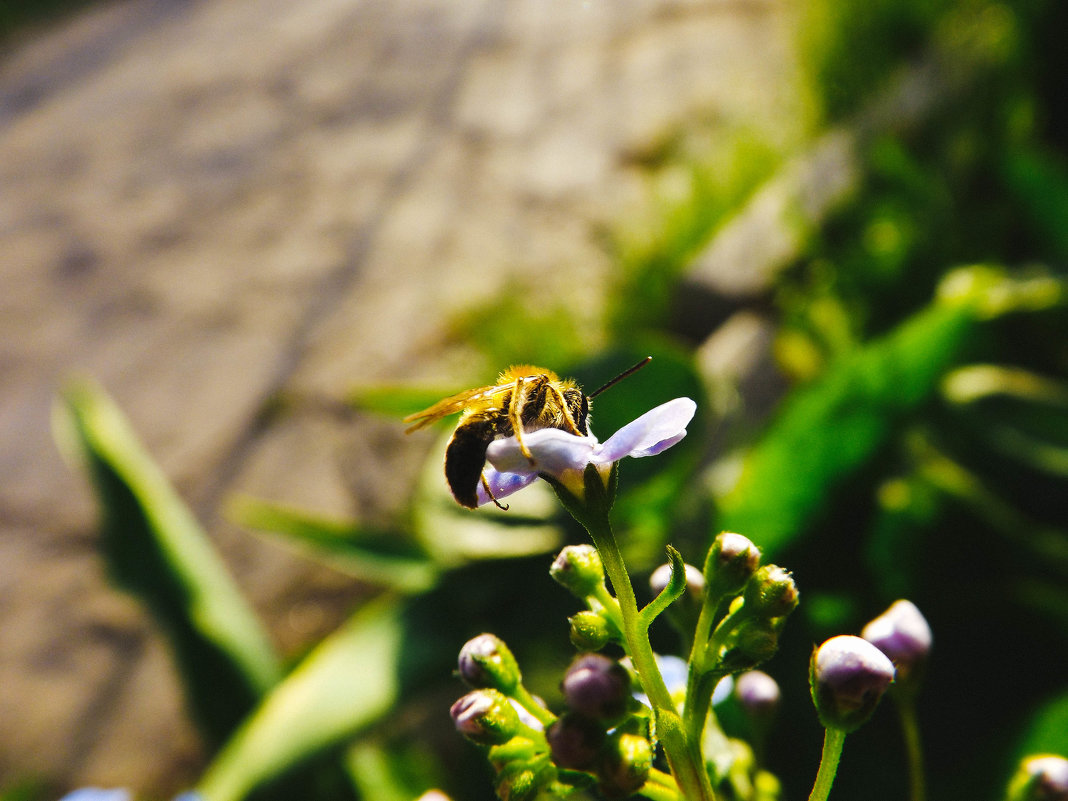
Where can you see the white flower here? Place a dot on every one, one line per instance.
(565, 456)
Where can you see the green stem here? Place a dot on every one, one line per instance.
(531, 705)
(683, 756)
(910, 730)
(833, 740)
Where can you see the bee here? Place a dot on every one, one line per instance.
(524, 399)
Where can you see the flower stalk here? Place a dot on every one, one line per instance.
(833, 740)
(683, 754)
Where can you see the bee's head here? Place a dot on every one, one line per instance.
(578, 405)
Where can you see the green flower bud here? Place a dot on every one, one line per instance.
(625, 764)
(485, 661)
(523, 781)
(755, 641)
(590, 631)
(731, 561)
(578, 568)
(485, 717)
(1041, 777)
(847, 677)
(771, 592)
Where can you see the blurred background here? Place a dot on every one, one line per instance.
(253, 235)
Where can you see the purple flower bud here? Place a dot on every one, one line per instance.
(485, 661)
(1043, 777)
(902, 633)
(731, 560)
(578, 568)
(695, 581)
(758, 694)
(574, 740)
(485, 717)
(847, 677)
(597, 687)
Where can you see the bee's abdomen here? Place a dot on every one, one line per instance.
(464, 459)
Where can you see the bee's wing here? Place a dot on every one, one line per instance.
(452, 405)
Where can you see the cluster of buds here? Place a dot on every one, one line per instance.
(601, 740)
(758, 599)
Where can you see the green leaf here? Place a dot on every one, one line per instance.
(391, 774)
(832, 427)
(382, 557)
(1047, 731)
(343, 686)
(156, 550)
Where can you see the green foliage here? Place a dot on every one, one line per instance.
(694, 197)
(157, 551)
(1047, 729)
(343, 686)
(830, 429)
(385, 558)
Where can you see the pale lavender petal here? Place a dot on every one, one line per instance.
(653, 432)
(502, 484)
(554, 452)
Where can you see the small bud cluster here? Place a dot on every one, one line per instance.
(602, 739)
(763, 597)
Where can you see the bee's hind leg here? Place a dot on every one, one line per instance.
(485, 485)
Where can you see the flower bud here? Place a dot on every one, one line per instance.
(847, 677)
(625, 764)
(597, 687)
(519, 749)
(485, 717)
(731, 560)
(695, 581)
(771, 592)
(523, 781)
(902, 633)
(575, 741)
(590, 631)
(485, 661)
(756, 640)
(758, 695)
(578, 568)
(1042, 777)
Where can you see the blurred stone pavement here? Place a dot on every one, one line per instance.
(206, 204)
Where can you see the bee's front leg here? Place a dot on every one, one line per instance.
(515, 416)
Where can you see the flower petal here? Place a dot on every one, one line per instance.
(502, 484)
(655, 431)
(554, 452)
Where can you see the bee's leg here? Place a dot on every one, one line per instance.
(486, 487)
(567, 413)
(516, 417)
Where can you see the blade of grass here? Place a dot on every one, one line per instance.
(345, 684)
(156, 551)
(379, 557)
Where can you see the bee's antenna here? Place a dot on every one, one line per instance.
(621, 376)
